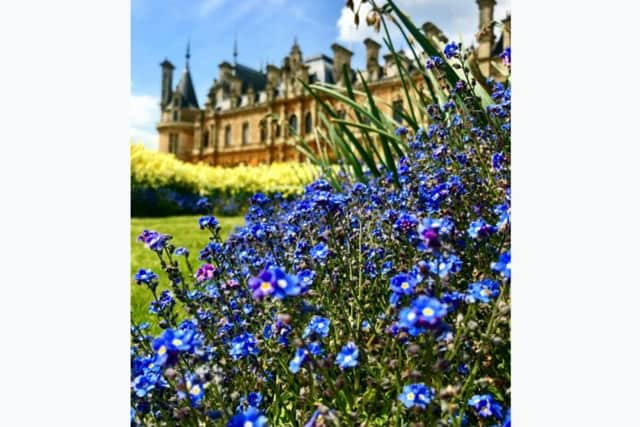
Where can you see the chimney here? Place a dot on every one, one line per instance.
(273, 75)
(433, 32)
(485, 36)
(341, 56)
(373, 68)
(167, 83)
(389, 65)
(506, 32)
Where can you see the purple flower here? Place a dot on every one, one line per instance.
(431, 229)
(405, 223)
(424, 312)
(485, 406)
(154, 240)
(403, 284)
(479, 229)
(434, 62)
(451, 49)
(181, 251)
(242, 346)
(402, 130)
(274, 281)
(205, 272)
(506, 56)
(209, 222)
(147, 277)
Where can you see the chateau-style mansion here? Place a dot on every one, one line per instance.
(248, 114)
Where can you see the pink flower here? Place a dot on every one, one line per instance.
(205, 272)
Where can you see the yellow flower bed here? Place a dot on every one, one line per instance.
(156, 170)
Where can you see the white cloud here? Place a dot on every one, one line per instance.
(144, 112)
(141, 136)
(457, 19)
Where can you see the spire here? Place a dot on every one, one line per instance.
(188, 55)
(235, 50)
(186, 94)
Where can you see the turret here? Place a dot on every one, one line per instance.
(295, 55)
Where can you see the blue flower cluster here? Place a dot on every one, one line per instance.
(381, 302)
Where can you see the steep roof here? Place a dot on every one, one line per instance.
(250, 77)
(187, 95)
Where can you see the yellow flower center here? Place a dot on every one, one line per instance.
(162, 350)
(176, 342)
(404, 285)
(427, 311)
(265, 286)
(282, 283)
(410, 396)
(195, 390)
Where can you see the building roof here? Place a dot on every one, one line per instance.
(320, 69)
(250, 77)
(185, 92)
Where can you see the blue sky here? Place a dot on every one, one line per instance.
(265, 30)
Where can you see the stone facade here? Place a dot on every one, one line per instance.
(248, 113)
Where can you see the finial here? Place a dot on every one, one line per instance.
(235, 50)
(188, 55)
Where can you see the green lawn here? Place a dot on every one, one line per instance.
(185, 232)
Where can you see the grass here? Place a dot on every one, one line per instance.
(185, 232)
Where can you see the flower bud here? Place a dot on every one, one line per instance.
(170, 373)
(413, 349)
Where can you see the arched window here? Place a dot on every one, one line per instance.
(308, 123)
(227, 136)
(397, 111)
(293, 124)
(263, 131)
(245, 133)
(173, 143)
(205, 139)
(175, 115)
(278, 130)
